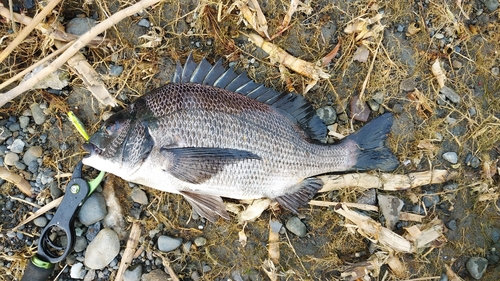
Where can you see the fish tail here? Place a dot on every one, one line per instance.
(371, 152)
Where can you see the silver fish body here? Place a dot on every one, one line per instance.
(205, 141)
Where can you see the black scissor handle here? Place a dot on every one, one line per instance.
(50, 250)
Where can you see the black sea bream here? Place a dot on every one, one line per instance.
(212, 133)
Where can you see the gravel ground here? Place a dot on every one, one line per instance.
(456, 127)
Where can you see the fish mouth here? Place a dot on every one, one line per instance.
(91, 148)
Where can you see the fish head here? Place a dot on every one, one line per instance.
(120, 145)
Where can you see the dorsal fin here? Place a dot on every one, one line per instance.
(296, 107)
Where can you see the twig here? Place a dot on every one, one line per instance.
(16, 179)
(40, 212)
(27, 30)
(31, 67)
(363, 87)
(75, 47)
(11, 10)
(128, 254)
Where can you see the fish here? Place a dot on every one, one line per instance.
(212, 133)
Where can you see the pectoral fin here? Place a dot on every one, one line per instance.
(198, 164)
(305, 192)
(207, 206)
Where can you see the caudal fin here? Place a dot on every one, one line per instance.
(372, 153)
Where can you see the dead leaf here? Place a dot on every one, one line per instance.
(254, 210)
(329, 57)
(252, 14)
(153, 37)
(361, 54)
(270, 270)
(427, 145)
(423, 105)
(437, 71)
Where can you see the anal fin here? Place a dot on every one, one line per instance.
(305, 192)
(207, 206)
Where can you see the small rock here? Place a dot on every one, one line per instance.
(24, 121)
(133, 273)
(40, 221)
(32, 154)
(378, 97)
(472, 111)
(19, 166)
(327, 114)
(144, 23)
(444, 277)
(495, 71)
(11, 158)
(200, 241)
(450, 94)
(368, 197)
(408, 84)
(452, 225)
(493, 257)
(374, 106)
(206, 268)
(167, 243)
(296, 226)
(397, 108)
(451, 157)
(80, 244)
(92, 231)
(195, 276)
(55, 191)
(495, 235)
(400, 28)
(15, 127)
(33, 167)
(476, 267)
(155, 275)
(79, 26)
(93, 210)
(491, 5)
(102, 250)
(37, 114)
(4, 134)
(451, 186)
(456, 64)
(391, 207)
(115, 70)
(17, 146)
(77, 271)
(139, 196)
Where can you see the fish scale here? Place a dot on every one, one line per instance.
(206, 142)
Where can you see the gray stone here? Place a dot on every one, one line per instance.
(186, 247)
(443, 277)
(167, 243)
(115, 70)
(451, 157)
(144, 23)
(93, 210)
(19, 166)
(37, 114)
(102, 250)
(450, 94)
(24, 121)
(408, 84)
(80, 244)
(32, 154)
(206, 268)
(40, 221)
(378, 97)
(15, 127)
(327, 114)
(472, 111)
(17, 146)
(430, 200)
(55, 191)
(491, 5)
(452, 225)
(10, 158)
(77, 271)
(200, 241)
(195, 276)
(296, 226)
(92, 231)
(476, 267)
(374, 106)
(155, 275)
(4, 134)
(495, 235)
(79, 26)
(391, 207)
(495, 70)
(139, 196)
(133, 273)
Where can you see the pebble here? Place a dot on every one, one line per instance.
(451, 157)
(491, 5)
(144, 23)
(19, 166)
(139, 196)
(200, 241)
(472, 161)
(186, 247)
(493, 256)
(55, 191)
(115, 70)
(11, 158)
(443, 277)
(476, 267)
(206, 268)
(33, 167)
(400, 28)
(296, 226)
(92, 231)
(15, 127)
(17, 146)
(167, 243)
(327, 114)
(32, 154)
(77, 271)
(495, 235)
(133, 273)
(37, 113)
(374, 106)
(24, 121)
(80, 244)
(102, 250)
(450, 94)
(495, 70)
(40, 221)
(155, 275)
(195, 276)
(452, 225)
(93, 210)
(378, 97)
(4, 134)
(408, 84)
(79, 26)
(456, 64)
(451, 186)
(397, 108)
(472, 111)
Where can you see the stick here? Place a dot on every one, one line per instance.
(17, 180)
(80, 43)
(27, 30)
(128, 254)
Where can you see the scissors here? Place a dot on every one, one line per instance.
(53, 250)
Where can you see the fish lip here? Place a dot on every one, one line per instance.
(91, 148)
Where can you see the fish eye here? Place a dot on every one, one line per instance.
(111, 128)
